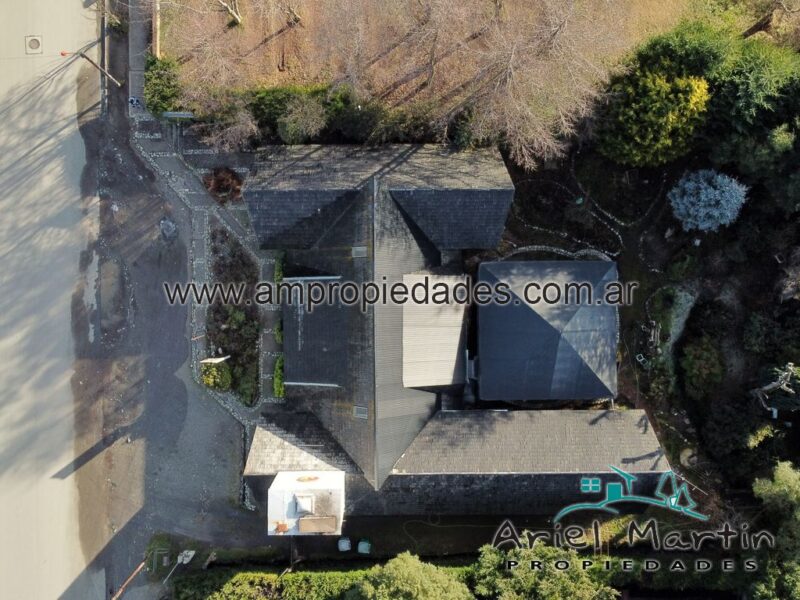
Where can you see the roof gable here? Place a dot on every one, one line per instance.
(456, 219)
(459, 200)
(295, 218)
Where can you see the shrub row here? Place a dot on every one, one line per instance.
(278, 388)
(299, 114)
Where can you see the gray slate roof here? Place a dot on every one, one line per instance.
(530, 351)
(295, 218)
(361, 352)
(457, 219)
(294, 442)
(458, 200)
(534, 441)
(315, 344)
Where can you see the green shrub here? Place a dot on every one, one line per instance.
(161, 87)
(268, 105)
(277, 378)
(303, 120)
(693, 49)
(706, 200)
(226, 584)
(652, 117)
(403, 125)
(329, 585)
(757, 156)
(277, 273)
(703, 368)
(246, 382)
(460, 131)
(278, 332)
(493, 580)
(216, 376)
(751, 87)
(356, 122)
(759, 334)
(406, 577)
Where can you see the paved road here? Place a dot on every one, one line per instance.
(45, 223)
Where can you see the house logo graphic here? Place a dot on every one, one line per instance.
(669, 494)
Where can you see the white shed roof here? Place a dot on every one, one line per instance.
(306, 503)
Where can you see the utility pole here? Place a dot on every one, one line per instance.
(121, 590)
(82, 54)
(156, 20)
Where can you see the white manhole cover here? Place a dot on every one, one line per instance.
(33, 44)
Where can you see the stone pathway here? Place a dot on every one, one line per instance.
(157, 144)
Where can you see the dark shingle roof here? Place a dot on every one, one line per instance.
(296, 218)
(457, 219)
(315, 344)
(538, 351)
(534, 441)
(458, 199)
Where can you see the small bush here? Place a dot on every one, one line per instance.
(245, 379)
(703, 368)
(404, 125)
(356, 122)
(757, 157)
(224, 584)
(161, 88)
(278, 389)
(692, 49)
(224, 184)
(216, 376)
(652, 118)
(493, 580)
(752, 86)
(268, 105)
(706, 200)
(324, 585)
(303, 120)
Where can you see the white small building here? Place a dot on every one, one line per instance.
(306, 503)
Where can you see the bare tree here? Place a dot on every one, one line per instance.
(537, 74)
(232, 8)
(230, 133)
(527, 70)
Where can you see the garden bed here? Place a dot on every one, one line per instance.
(234, 329)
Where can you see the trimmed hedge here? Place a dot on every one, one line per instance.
(277, 378)
(161, 88)
(234, 584)
(230, 584)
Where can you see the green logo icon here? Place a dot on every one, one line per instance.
(669, 494)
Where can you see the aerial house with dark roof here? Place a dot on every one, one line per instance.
(376, 381)
(532, 350)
